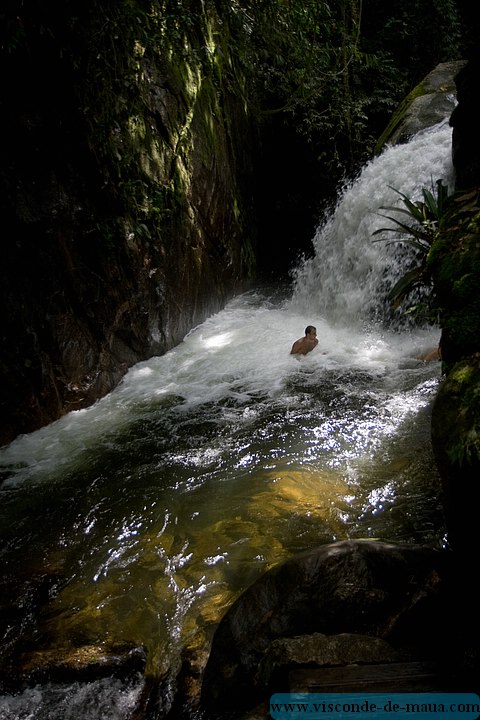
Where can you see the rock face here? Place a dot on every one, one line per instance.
(465, 137)
(125, 199)
(454, 263)
(455, 437)
(389, 592)
(430, 102)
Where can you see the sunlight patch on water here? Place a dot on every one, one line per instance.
(218, 341)
(302, 492)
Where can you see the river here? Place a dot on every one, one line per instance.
(208, 465)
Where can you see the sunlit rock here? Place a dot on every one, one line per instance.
(430, 102)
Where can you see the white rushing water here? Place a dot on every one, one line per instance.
(217, 460)
(248, 343)
(348, 276)
(237, 354)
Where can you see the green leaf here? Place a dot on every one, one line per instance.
(419, 234)
(404, 286)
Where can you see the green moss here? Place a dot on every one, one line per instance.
(454, 264)
(463, 389)
(464, 287)
(398, 116)
(463, 327)
(461, 374)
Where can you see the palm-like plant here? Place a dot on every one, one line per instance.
(419, 232)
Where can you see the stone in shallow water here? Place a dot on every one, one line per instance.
(323, 650)
(69, 665)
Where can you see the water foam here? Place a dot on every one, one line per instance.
(243, 351)
(348, 277)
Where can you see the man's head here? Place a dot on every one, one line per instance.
(310, 329)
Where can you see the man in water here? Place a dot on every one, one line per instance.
(303, 345)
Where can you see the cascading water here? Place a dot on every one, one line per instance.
(349, 276)
(225, 456)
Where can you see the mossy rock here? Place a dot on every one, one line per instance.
(454, 265)
(430, 102)
(456, 446)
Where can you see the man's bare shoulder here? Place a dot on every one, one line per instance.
(296, 347)
(299, 347)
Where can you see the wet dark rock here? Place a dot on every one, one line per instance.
(68, 665)
(127, 204)
(455, 440)
(392, 592)
(323, 650)
(454, 263)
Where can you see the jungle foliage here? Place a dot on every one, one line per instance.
(332, 69)
(319, 80)
(336, 69)
(419, 227)
(443, 230)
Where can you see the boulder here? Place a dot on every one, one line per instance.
(386, 591)
(430, 102)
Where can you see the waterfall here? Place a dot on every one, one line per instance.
(349, 275)
(339, 289)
